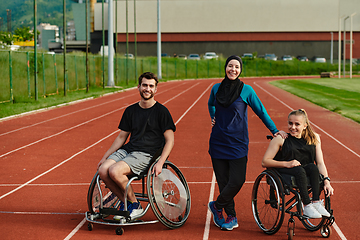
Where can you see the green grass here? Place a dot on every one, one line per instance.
(29, 104)
(338, 95)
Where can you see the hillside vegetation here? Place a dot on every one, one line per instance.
(22, 13)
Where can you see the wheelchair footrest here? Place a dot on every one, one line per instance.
(114, 211)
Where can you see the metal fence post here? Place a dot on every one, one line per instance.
(76, 75)
(10, 76)
(28, 74)
(55, 72)
(43, 72)
(175, 67)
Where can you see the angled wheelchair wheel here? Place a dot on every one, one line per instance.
(169, 195)
(268, 202)
(315, 224)
(99, 192)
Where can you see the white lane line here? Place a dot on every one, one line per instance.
(73, 232)
(51, 169)
(193, 104)
(208, 214)
(39, 213)
(68, 114)
(30, 181)
(350, 150)
(61, 132)
(81, 124)
(65, 115)
(339, 232)
(87, 184)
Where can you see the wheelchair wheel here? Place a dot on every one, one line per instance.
(169, 195)
(268, 202)
(98, 191)
(315, 224)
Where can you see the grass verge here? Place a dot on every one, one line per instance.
(337, 95)
(22, 105)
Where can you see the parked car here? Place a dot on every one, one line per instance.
(130, 55)
(302, 58)
(319, 59)
(270, 56)
(165, 55)
(286, 58)
(210, 55)
(247, 56)
(194, 56)
(183, 56)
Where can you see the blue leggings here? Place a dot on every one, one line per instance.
(300, 173)
(230, 176)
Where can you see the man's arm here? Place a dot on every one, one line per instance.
(118, 142)
(169, 143)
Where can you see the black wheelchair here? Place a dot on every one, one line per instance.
(275, 194)
(167, 194)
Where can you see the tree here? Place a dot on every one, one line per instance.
(24, 34)
(6, 38)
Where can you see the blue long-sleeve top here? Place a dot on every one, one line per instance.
(229, 137)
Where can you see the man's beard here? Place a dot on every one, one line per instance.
(146, 98)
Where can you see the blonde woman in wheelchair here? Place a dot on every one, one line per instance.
(300, 155)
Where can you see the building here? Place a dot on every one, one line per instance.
(49, 36)
(294, 27)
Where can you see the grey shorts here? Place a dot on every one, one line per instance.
(137, 161)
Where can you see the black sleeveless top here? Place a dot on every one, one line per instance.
(296, 148)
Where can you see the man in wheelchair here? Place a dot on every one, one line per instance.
(295, 156)
(150, 127)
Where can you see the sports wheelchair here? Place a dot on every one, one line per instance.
(167, 194)
(275, 194)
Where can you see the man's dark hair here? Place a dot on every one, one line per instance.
(148, 75)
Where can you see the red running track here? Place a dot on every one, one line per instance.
(49, 158)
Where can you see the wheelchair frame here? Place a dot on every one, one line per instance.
(271, 200)
(103, 204)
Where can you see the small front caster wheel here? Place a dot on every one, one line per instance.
(90, 226)
(290, 233)
(325, 231)
(119, 231)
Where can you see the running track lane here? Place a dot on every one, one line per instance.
(76, 136)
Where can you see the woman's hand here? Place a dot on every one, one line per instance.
(293, 163)
(328, 189)
(283, 134)
(213, 122)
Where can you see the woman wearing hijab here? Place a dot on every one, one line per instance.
(229, 140)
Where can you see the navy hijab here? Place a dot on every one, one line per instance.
(229, 90)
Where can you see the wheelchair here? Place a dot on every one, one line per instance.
(275, 194)
(168, 195)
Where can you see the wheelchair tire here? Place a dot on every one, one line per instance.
(316, 224)
(169, 195)
(94, 198)
(268, 202)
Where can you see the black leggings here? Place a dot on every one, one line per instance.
(230, 176)
(300, 173)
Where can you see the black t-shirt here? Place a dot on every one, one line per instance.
(146, 127)
(296, 148)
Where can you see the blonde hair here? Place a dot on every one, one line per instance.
(308, 134)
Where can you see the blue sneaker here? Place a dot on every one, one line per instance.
(230, 223)
(135, 209)
(121, 206)
(217, 214)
